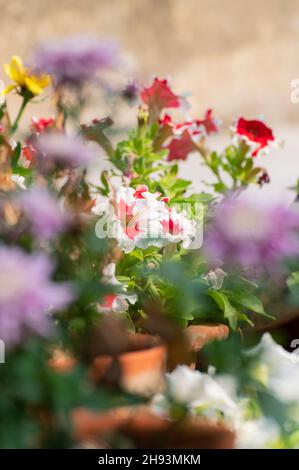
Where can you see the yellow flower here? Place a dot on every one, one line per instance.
(23, 77)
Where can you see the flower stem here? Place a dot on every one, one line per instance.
(15, 125)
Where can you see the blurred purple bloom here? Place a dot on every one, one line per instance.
(63, 150)
(27, 294)
(252, 236)
(130, 91)
(42, 208)
(75, 60)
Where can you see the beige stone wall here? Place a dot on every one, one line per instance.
(237, 56)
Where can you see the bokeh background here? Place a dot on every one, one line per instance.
(236, 56)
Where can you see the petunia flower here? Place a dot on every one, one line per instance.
(260, 433)
(25, 78)
(255, 133)
(195, 390)
(115, 302)
(209, 123)
(186, 135)
(180, 146)
(159, 96)
(277, 369)
(138, 218)
(39, 125)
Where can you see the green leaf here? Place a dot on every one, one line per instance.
(230, 313)
(293, 280)
(138, 254)
(249, 301)
(16, 155)
(95, 132)
(203, 198)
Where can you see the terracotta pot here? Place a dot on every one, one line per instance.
(199, 335)
(146, 430)
(140, 370)
(61, 361)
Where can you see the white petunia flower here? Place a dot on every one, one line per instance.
(277, 369)
(196, 391)
(257, 434)
(19, 180)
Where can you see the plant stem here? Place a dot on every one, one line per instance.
(15, 125)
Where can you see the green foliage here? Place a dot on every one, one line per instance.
(36, 402)
(233, 168)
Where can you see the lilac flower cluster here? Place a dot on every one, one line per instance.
(76, 60)
(252, 236)
(44, 213)
(63, 150)
(27, 294)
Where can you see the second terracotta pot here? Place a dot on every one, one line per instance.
(141, 369)
(200, 335)
(146, 430)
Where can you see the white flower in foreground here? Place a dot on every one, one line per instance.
(215, 397)
(277, 369)
(261, 433)
(115, 302)
(19, 181)
(138, 218)
(196, 390)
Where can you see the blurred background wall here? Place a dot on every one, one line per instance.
(236, 56)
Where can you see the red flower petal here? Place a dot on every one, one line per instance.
(179, 148)
(108, 301)
(139, 192)
(39, 125)
(160, 96)
(208, 122)
(255, 131)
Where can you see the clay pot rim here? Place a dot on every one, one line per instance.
(151, 342)
(130, 354)
(203, 333)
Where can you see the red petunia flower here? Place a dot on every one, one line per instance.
(254, 132)
(186, 134)
(29, 152)
(159, 96)
(39, 125)
(166, 121)
(209, 123)
(180, 147)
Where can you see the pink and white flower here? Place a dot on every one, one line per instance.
(115, 302)
(138, 218)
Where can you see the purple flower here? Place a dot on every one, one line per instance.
(27, 294)
(130, 91)
(44, 213)
(77, 59)
(252, 236)
(63, 150)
